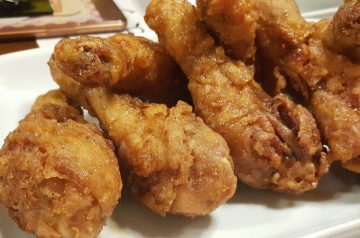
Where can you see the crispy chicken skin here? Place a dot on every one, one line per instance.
(328, 80)
(345, 29)
(124, 63)
(235, 24)
(59, 177)
(171, 161)
(274, 143)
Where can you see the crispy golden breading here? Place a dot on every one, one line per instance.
(124, 63)
(171, 161)
(235, 24)
(58, 176)
(346, 29)
(329, 81)
(274, 143)
(214, 12)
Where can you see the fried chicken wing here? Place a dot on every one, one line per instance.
(58, 176)
(124, 63)
(328, 80)
(171, 161)
(274, 143)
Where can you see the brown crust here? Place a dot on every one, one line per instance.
(58, 176)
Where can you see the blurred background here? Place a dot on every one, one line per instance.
(312, 5)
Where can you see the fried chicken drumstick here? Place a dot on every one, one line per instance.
(171, 161)
(307, 55)
(125, 63)
(58, 176)
(274, 143)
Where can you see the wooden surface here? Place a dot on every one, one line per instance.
(17, 45)
(107, 9)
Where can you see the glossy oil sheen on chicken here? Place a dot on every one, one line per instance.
(314, 57)
(171, 161)
(126, 64)
(274, 143)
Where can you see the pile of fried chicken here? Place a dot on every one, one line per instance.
(238, 62)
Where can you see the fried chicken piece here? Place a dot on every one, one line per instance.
(274, 143)
(171, 161)
(353, 165)
(223, 16)
(328, 80)
(58, 176)
(235, 24)
(124, 63)
(345, 29)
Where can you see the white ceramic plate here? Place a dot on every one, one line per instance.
(331, 211)
(334, 207)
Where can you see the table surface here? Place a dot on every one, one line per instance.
(13, 46)
(107, 11)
